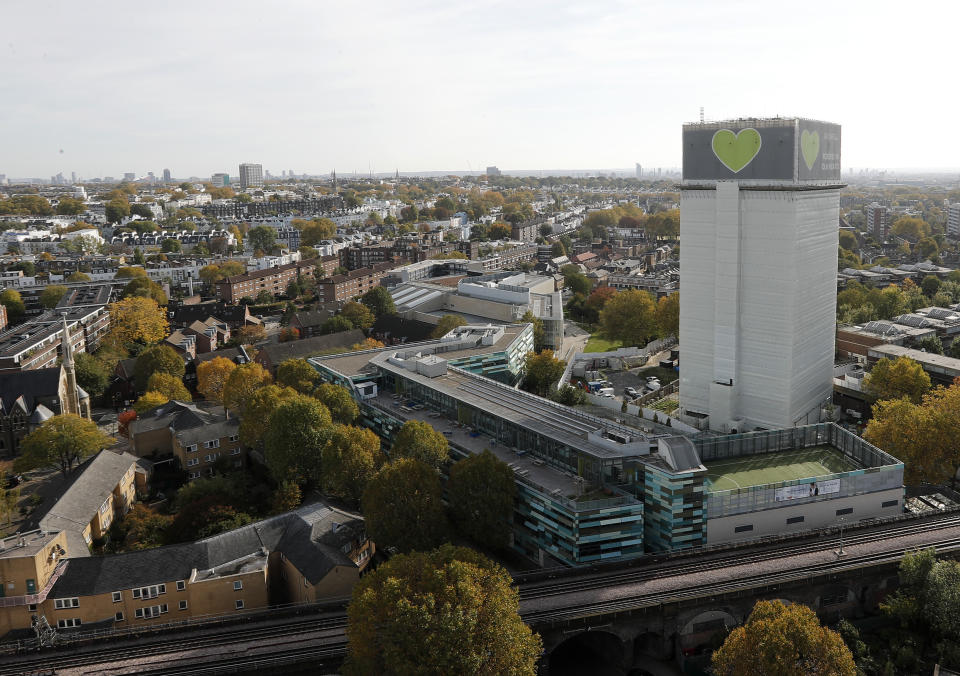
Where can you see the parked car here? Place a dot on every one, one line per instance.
(631, 392)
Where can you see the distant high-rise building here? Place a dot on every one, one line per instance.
(251, 176)
(953, 219)
(878, 221)
(220, 180)
(73, 177)
(3, 179)
(759, 213)
(129, 176)
(639, 171)
(290, 174)
(493, 171)
(166, 175)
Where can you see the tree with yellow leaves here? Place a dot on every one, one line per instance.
(783, 640)
(212, 377)
(896, 378)
(136, 320)
(241, 385)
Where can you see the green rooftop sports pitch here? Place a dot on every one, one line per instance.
(770, 468)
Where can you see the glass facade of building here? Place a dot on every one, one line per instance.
(674, 516)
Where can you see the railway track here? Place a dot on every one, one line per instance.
(45, 661)
(637, 601)
(560, 586)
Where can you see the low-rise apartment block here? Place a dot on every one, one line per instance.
(273, 280)
(341, 288)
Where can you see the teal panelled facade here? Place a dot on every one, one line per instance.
(674, 517)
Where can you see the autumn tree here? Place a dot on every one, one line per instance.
(241, 384)
(51, 295)
(419, 441)
(260, 406)
(668, 315)
(447, 324)
(541, 371)
(896, 378)
(11, 299)
(251, 334)
(78, 277)
(464, 607)
(379, 300)
(481, 491)
(212, 376)
(785, 640)
(539, 330)
(142, 287)
(296, 433)
(63, 440)
(136, 320)
(298, 374)
(403, 508)
(630, 317)
(910, 228)
(287, 497)
(350, 459)
(157, 359)
(338, 401)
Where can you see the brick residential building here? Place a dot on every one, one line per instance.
(272, 280)
(341, 288)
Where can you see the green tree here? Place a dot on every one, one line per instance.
(287, 497)
(298, 374)
(262, 238)
(541, 371)
(379, 300)
(78, 277)
(927, 247)
(92, 374)
(630, 317)
(481, 490)
(893, 379)
(784, 640)
(931, 344)
(403, 508)
(539, 330)
(69, 206)
(930, 285)
(11, 299)
(575, 280)
(142, 287)
(51, 295)
(359, 315)
(296, 434)
(419, 441)
(318, 230)
(447, 324)
(159, 358)
(338, 401)
(116, 210)
(848, 240)
(141, 528)
(465, 610)
(350, 459)
(63, 440)
(336, 324)
(171, 245)
(259, 407)
(910, 228)
(138, 257)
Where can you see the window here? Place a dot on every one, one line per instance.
(32, 607)
(238, 585)
(181, 585)
(31, 586)
(117, 596)
(210, 457)
(743, 529)
(150, 592)
(239, 604)
(59, 604)
(192, 448)
(845, 510)
(213, 443)
(118, 617)
(151, 611)
(235, 437)
(193, 475)
(795, 519)
(183, 605)
(890, 503)
(234, 451)
(193, 461)
(72, 622)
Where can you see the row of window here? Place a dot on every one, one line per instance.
(799, 519)
(211, 443)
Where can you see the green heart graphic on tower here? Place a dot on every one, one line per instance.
(810, 147)
(736, 150)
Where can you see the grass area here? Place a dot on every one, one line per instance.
(666, 405)
(768, 468)
(598, 343)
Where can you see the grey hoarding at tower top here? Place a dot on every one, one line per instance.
(779, 149)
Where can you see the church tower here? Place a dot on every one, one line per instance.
(71, 400)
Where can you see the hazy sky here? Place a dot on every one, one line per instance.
(417, 85)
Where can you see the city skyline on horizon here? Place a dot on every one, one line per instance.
(437, 88)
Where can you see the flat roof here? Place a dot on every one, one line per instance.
(357, 363)
(947, 364)
(33, 542)
(770, 468)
